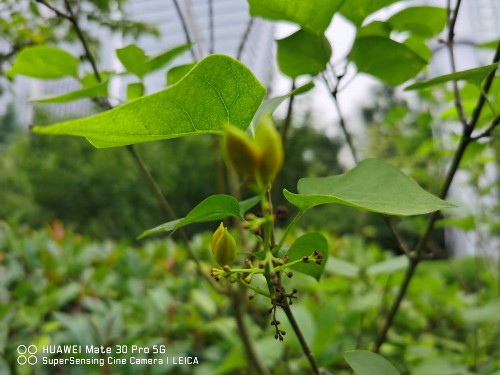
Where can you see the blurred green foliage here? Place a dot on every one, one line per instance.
(60, 288)
(100, 192)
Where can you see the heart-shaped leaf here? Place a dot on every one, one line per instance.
(305, 246)
(303, 53)
(422, 21)
(218, 90)
(368, 363)
(373, 185)
(213, 208)
(386, 59)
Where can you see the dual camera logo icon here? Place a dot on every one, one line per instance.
(26, 355)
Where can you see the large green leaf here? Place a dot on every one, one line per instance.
(386, 59)
(367, 363)
(218, 90)
(215, 207)
(303, 53)
(99, 90)
(373, 185)
(313, 15)
(357, 10)
(474, 76)
(304, 246)
(44, 62)
(423, 21)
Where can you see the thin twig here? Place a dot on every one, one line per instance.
(300, 337)
(288, 119)
(211, 27)
(239, 304)
(185, 29)
(401, 242)
(343, 126)
(59, 13)
(244, 38)
(452, 20)
(488, 132)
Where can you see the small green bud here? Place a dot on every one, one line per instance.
(271, 148)
(216, 236)
(241, 152)
(224, 247)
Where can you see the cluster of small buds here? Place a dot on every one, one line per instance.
(282, 298)
(317, 257)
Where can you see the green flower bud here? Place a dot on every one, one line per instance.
(216, 236)
(271, 147)
(223, 246)
(241, 152)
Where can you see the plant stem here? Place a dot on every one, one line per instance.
(239, 305)
(300, 337)
(244, 38)
(288, 119)
(185, 29)
(211, 27)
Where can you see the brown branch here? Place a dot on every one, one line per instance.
(303, 343)
(244, 38)
(185, 29)
(488, 132)
(465, 140)
(288, 119)
(59, 13)
(211, 27)
(452, 20)
(239, 304)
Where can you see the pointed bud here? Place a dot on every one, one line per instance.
(241, 152)
(271, 147)
(216, 236)
(225, 248)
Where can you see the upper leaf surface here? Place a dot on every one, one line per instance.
(304, 246)
(303, 53)
(424, 21)
(386, 59)
(368, 363)
(313, 15)
(357, 10)
(219, 89)
(44, 62)
(215, 207)
(373, 185)
(474, 76)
